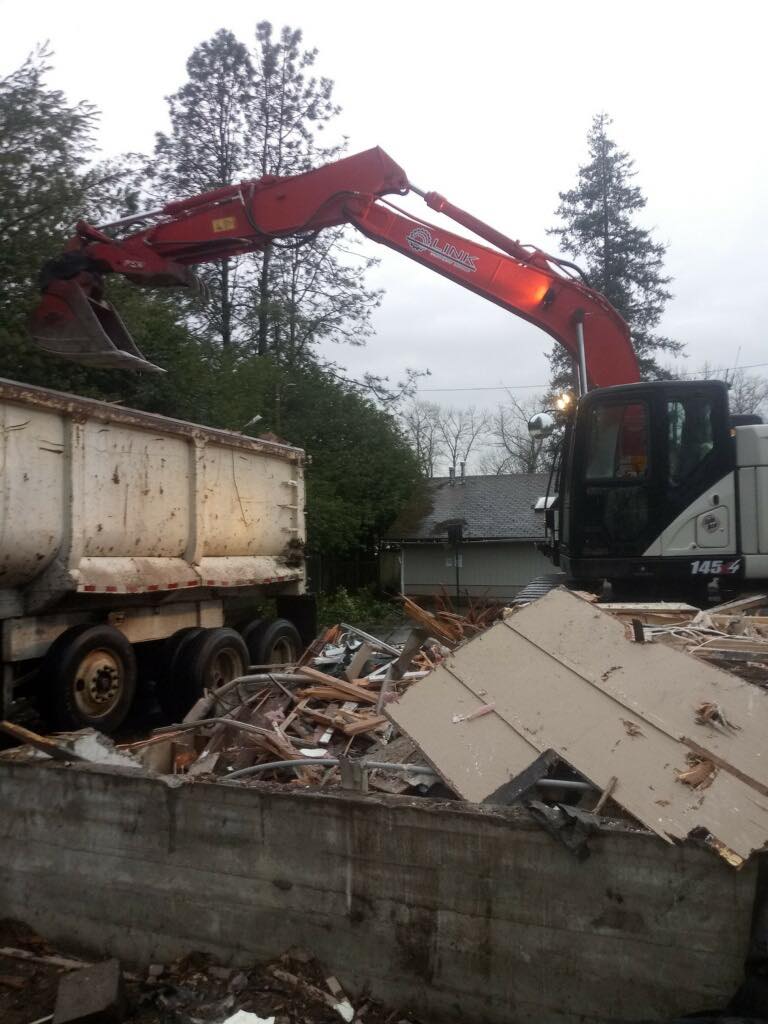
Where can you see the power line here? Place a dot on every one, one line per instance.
(531, 387)
(490, 387)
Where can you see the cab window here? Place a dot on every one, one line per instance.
(690, 436)
(618, 442)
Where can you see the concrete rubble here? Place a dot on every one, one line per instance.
(92, 995)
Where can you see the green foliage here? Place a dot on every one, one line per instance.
(362, 606)
(44, 143)
(48, 180)
(621, 259)
(242, 115)
(362, 469)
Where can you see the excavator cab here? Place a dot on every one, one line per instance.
(72, 324)
(647, 484)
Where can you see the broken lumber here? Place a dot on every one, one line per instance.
(741, 604)
(364, 725)
(58, 751)
(652, 613)
(66, 963)
(339, 688)
(359, 659)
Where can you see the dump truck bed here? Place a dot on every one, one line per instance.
(98, 499)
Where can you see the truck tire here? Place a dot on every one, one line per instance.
(168, 682)
(279, 644)
(206, 661)
(92, 670)
(252, 632)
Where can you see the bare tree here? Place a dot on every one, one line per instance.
(420, 425)
(748, 392)
(511, 449)
(459, 431)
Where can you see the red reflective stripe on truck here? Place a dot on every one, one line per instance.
(133, 588)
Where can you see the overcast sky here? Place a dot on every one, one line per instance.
(489, 103)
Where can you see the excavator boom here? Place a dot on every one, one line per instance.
(74, 320)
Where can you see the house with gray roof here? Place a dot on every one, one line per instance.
(483, 528)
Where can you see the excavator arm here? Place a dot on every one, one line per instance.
(74, 320)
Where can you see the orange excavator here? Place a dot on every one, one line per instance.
(655, 480)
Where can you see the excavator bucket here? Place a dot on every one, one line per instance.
(71, 324)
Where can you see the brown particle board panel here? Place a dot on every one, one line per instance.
(474, 758)
(662, 685)
(546, 670)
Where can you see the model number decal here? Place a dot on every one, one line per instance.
(715, 567)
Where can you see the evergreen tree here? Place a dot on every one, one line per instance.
(244, 115)
(209, 146)
(44, 145)
(48, 179)
(598, 228)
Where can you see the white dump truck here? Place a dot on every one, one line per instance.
(130, 544)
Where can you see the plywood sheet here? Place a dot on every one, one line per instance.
(561, 674)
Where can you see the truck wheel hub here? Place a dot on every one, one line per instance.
(223, 669)
(97, 685)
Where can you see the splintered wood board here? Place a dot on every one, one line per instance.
(563, 675)
(655, 613)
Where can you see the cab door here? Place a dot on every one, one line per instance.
(614, 491)
(698, 511)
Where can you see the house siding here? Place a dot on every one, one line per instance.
(497, 570)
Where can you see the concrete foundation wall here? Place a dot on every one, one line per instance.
(445, 911)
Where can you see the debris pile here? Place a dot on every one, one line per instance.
(320, 722)
(38, 983)
(733, 635)
(597, 709)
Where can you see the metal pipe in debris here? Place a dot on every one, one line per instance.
(419, 769)
(257, 769)
(371, 639)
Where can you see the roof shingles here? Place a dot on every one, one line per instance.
(488, 507)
